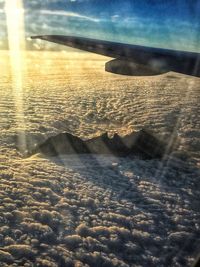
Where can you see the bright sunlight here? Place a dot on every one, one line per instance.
(16, 43)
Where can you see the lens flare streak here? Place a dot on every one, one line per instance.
(16, 42)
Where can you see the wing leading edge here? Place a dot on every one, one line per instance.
(126, 56)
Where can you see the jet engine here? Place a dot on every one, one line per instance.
(126, 67)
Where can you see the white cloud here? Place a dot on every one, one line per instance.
(68, 14)
(91, 211)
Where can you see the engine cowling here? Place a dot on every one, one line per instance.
(126, 67)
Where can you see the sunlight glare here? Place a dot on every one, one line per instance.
(16, 43)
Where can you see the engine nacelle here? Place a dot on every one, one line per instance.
(126, 67)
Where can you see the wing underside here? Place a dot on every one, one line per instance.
(156, 59)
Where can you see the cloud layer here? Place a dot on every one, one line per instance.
(103, 211)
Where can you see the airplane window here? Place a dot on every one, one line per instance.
(99, 146)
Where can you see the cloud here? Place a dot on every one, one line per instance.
(92, 211)
(68, 14)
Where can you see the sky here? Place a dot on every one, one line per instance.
(170, 24)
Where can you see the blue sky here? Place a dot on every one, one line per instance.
(170, 23)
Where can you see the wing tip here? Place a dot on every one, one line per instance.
(36, 37)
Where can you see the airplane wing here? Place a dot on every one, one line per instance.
(157, 60)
